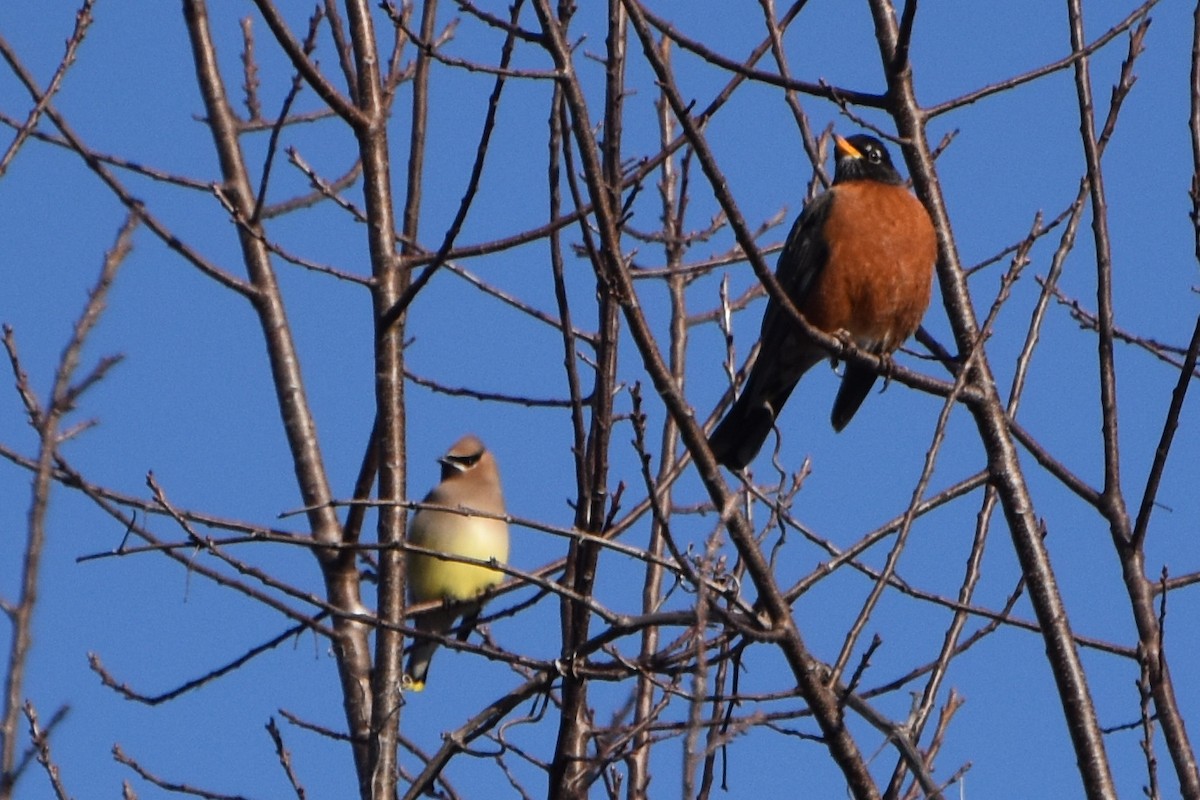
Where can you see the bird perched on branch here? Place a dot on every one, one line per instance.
(858, 263)
(470, 484)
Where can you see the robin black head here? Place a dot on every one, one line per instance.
(863, 157)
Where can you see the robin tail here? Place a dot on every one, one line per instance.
(856, 385)
(740, 435)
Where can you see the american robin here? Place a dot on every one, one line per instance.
(858, 263)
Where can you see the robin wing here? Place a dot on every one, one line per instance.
(800, 263)
(784, 355)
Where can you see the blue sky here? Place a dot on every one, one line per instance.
(192, 402)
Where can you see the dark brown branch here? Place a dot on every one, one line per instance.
(299, 426)
(1113, 505)
(1131, 19)
(453, 391)
(134, 205)
(47, 420)
(128, 693)
(166, 785)
(285, 759)
(310, 44)
(344, 108)
(464, 206)
(992, 422)
(380, 688)
(809, 674)
(744, 70)
(83, 20)
(41, 744)
(1170, 424)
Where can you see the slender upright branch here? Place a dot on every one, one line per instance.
(1112, 501)
(570, 773)
(46, 420)
(991, 420)
(341, 579)
(389, 283)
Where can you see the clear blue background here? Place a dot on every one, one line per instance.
(192, 400)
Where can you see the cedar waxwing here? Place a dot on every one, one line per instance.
(470, 481)
(857, 263)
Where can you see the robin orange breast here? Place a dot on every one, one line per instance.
(857, 263)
